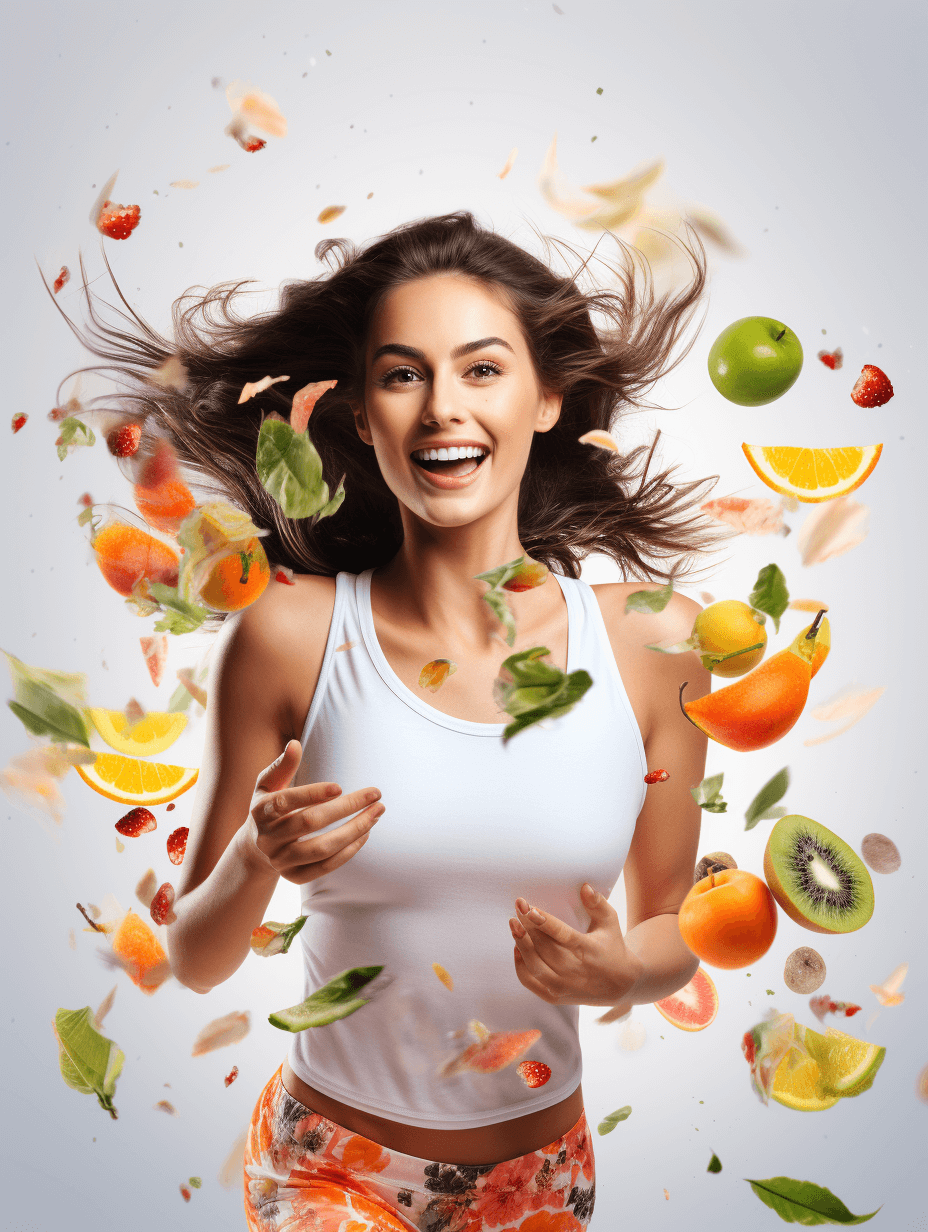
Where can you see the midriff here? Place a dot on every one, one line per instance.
(485, 1144)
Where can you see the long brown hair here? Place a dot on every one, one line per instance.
(574, 499)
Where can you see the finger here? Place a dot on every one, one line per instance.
(535, 964)
(281, 770)
(555, 941)
(616, 1014)
(529, 981)
(282, 803)
(322, 815)
(319, 868)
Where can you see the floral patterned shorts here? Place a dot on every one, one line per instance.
(305, 1173)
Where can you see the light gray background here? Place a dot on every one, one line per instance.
(800, 124)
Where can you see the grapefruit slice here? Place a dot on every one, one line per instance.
(812, 475)
(127, 780)
(694, 1007)
(499, 1049)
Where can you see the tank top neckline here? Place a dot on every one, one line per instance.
(393, 682)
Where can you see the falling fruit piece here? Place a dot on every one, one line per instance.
(694, 1007)
(141, 952)
(763, 706)
(153, 733)
(19, 421)
(832, 359)
(127, 780)
(434, 674)
(497, 1051)
(812, 475)
(601, 439)
(534, 1073)
(62, 279)
(443, 976)
(330, 213)
(888, 992)
(872, 387)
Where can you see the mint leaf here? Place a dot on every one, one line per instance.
(536, 690)
(73, 432)
(495, 598)
(608, 1124)
(648, 601)
(502, 573)
(707, 794)
(770, 594)
(290, 470)
(89, 1062)
(715, 1164)
(761, 807)
(805, 1203)
(44, 702)
(336, 999)
(178, 615)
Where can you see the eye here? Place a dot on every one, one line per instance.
(488, 369)
(394, 375)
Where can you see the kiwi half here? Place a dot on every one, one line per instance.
(818, 880)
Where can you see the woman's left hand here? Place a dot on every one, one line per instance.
(566, 967)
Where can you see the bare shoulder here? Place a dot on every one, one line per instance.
(279, 640)
(675, 622)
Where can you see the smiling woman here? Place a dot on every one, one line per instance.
(466, 370)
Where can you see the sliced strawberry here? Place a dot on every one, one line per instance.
(252, 144)
(657, 776)
(872, 388)
(832, 359)
(123, 442)
(534, 1073)
(19, 421)
(162, 903)
(118, 221)
(137, 821)
(177, 844)
(231, 1076)
(62, 278)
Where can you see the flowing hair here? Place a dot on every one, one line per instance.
(574, 499)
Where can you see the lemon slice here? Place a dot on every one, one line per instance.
(848, 1065)
(798, 1080)
(130, 781)
(813, 475)
(152, 734)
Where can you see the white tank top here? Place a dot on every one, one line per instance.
(470, 824)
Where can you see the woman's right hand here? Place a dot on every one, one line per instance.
(282, 818)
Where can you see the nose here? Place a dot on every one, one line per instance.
(442, 406)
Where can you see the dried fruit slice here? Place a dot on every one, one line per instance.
(152, 734)
(694, 1007)
(130, 781)
(812, 475)
(141, 951)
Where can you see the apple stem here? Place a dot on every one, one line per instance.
(813, 628)
(779, 335)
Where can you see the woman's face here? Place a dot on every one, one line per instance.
(447, 368)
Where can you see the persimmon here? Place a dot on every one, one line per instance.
(236, 578)
(126, 554)
(729, 919)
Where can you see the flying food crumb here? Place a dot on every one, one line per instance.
(592, 139)
(599, 90)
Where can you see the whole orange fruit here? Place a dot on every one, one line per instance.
(729, 919)
(126, 554)
(236, 578)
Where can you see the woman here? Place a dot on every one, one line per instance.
(496, 858)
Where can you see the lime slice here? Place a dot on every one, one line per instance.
(848, 1065)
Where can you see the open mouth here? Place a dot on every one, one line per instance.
(456, 461)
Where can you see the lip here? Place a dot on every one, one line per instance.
(447, 482)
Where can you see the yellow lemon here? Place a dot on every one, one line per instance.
(152, 734)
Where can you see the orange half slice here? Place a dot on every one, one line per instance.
(131, 781)
(812, 475)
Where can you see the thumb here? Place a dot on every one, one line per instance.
(279, 773)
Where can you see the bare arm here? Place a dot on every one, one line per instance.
(248, 827)
(659, 867)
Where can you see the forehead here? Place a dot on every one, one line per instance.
(442, 311)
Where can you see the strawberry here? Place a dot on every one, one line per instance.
(252, 144)
(177, 845)
(118, 221)
(19, 421)
(162, 903)
(657, 776)
(185, 1193)
(137, 821)
(85, 499)
(534, 1073)
(872, 388)
(124, 442)
(61, 279)
(231, 1076)
(832, 359)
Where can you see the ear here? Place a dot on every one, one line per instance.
(360, 422)
(549, 412)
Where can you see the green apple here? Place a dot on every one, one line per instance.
(755, 360)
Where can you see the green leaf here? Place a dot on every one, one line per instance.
(194, 1182)
(770, 594)
(707, 794)
(178, 615)
(290, 470)
(608, 1124)
(715, 1164)
(691, 643)
(647, 601)
(335, 503)
(500, 609)
(804, 1203)
(551, 693)
(44, 702)
(73, 432)
(502, 573)
(89, 1062)
(336, 999)
(761, 807)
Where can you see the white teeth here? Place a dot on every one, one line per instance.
(443, 455)
(453, 453)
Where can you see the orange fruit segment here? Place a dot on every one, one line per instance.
(135, 942)
(812, 475)
(128, 780)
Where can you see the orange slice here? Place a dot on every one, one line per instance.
(135, 942)
(131, 781)
(813, 475)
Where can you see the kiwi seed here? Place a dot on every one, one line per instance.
(804, 970)
(716, 861)
(880, 852)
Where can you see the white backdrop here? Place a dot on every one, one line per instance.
(800, 125)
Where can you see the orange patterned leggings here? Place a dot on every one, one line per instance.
(305, 1173)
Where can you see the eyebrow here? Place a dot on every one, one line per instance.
(399, 348)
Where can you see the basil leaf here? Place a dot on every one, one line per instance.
(290, 470)
(181, 616)
(500, 609)
(89, 1062)
(715, 1164)
(608, 1124)
(502, 573)
(707, 794)
(805, 1203)
(336, 999)
(770, 594)
(43, 702)
(73, 432)
(647, 601)
(766, 798)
